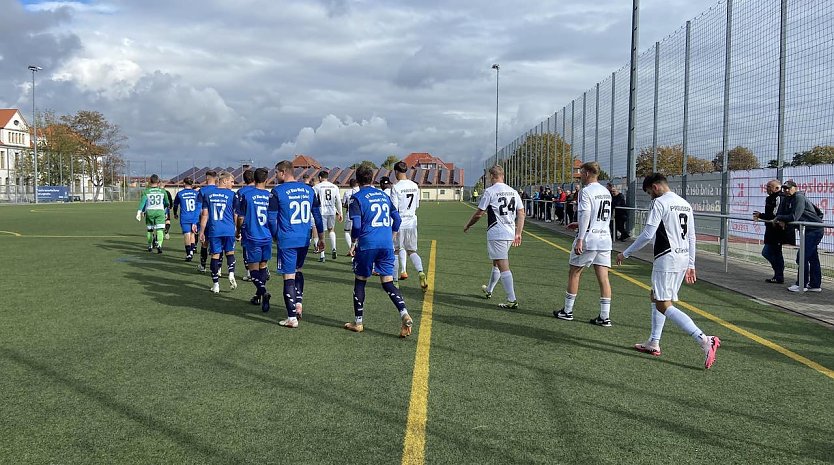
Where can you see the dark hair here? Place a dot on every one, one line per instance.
(260, 175)
(248, 176)
(211, 174)
(352, 182)
(154, 178)
(323, 175)
(188, 181)
(364, 175)
(654, 178)
(284, 166)
(385, 180)
(400, 167)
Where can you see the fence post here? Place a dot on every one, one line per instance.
(631, 167)
(572, 138)
(655, 104)
(611, 142)
(596, 127)
(800, 276)
(725, 171)
(564, 149)
(547, 170)
(584, 115)
(684, 148)
(780, 132)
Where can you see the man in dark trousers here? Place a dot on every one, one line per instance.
(775, 236)
(798, 208)
(620, 217)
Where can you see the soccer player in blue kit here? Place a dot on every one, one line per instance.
(211, 181)
(292, 207)
(217, 223)
(249, 183)
(374, 221)
(255, 236)
(188, 204)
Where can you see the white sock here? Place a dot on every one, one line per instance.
(507, 281)
(348, 239)
(403, 260)
(403, 312)
(569, 300)
(658, 319)
(417, 262)
(604, 307)
(493, 279)
(686, 324)
(332, 237)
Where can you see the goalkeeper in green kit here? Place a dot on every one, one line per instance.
(154, 203)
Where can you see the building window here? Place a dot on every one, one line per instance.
(442, 191)
(2, 159)
(425, 195)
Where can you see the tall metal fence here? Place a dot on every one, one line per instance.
(746, 85)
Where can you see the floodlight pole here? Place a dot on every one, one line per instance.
(34, 69)
(497, 69)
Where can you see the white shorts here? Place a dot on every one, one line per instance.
(348, 224)
(666, 284)
(499, 250)
(329, 221)
(407, 239)
(591, 257)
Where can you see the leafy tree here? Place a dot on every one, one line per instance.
(367, 163)
(817, 155)
(541, 156)
(389, 162)
(670, 161)
(603, 175)
(101, 143)
(58, 150)
(740, 158)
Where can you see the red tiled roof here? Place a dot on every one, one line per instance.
(305, 161)
(415, 158)
(6, 114)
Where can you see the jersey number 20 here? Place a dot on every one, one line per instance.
(299, 212)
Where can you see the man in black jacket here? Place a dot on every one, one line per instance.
(775, 235)
(620, 218)
(798, 208)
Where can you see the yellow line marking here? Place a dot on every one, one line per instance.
(414, 446)
(43, 236)
(771, 345)
(11, 233)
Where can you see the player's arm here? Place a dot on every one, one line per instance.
(338, 205)
(204, 214)
(317, 217)
(584, 211)
(473, 219)
(272, 215)
(175, 208)
(397, 220)
(519, 224)
(239, 218)
(167, 200)
(690, 271)
(142, 201)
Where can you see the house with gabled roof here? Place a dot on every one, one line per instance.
(15, 144)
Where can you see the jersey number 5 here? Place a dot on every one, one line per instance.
(506, 206)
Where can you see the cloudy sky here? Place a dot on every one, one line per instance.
(216, 82)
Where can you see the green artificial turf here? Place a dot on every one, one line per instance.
(109, 354)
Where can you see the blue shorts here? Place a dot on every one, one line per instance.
(221, 244)
(256, 252)
(186, 227)
(290, 260)
(366, 261)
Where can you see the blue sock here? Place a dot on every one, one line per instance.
(395, 295)
(289, 297)
(256, 281)
(203, 255)
(230, 263)
(358, 299)
(215, 270)
(188, 250)
(299, 286)
(261, 273)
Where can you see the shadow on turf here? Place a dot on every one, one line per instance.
(184, 438)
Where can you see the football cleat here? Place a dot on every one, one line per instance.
(289, 323)
(424, 283)
(246, 278)
(403, 276)
(714, 344)
(255, 300)
(647, 349)
(333, 254)
(487, 294)
(159, 249)
(299, 309)
(563, 315)
(201, 268)
(601, 322)
(321, 259)
(405, 329)
(510, 304)
(355, 327)
(150, 249)
(167, 236)
(265, 303)
(232, 282)
(215, 288)
(188, 258)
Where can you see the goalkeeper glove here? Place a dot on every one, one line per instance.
(139, 215)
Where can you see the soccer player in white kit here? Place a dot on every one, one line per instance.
(331, 209)
(405, 195)
(354, 188)
(592, 245)
(670, 223)
(505, 218)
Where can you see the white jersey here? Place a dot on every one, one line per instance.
(594, 215)
(405, 195)
(348, 195)
(331, 201)
(502, 203)
(674, 240)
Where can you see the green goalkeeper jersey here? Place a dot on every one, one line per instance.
(154, 199)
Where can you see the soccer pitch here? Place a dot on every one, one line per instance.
(109, 354)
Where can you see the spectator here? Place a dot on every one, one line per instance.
(620, 217)
(548, 205)
(525, 198)
(798, 208)
(775, 236)
(536, 197)
(570, 204)
(560, 198)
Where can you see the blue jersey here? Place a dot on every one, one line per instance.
(204, 192)
(221, 215)
(238, 195)
(292, 209)
(374, 219)
(253, 205)
(189, 202)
